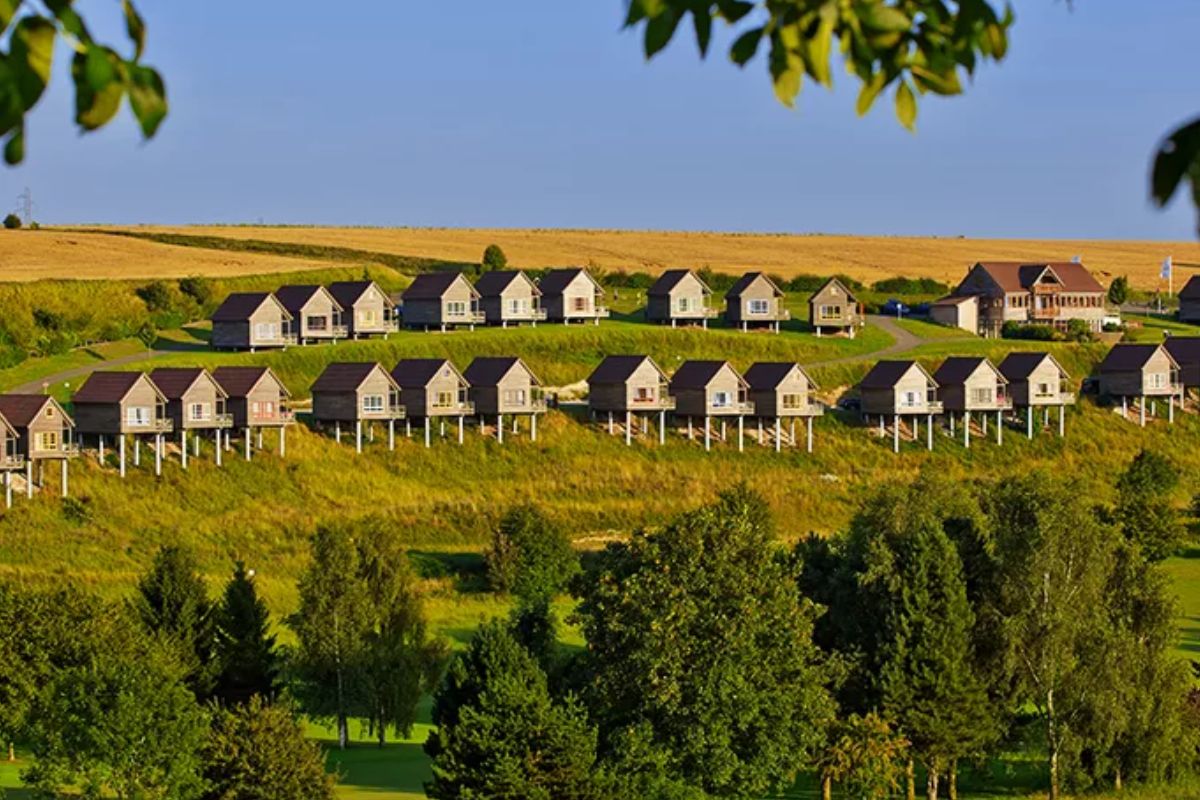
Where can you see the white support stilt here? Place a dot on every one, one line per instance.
(1171, 408)
(610, 423)
(500, 428)
(158, 448)
(895, 433)
(779, 434)
(183, 448)
(260, 438)
(628, 428)
(1029, 424)
(8, 490)
(966, 429)
(882, 425)
(358, 435)
(983, 417)
(1142, 411)
(691, 435)
(28, 480)
(740, 432)
(929, 432)
(707, 432)
(1124, 407)
(371, 432)
(391, 434)
(722, 429)
(100, 447)
(337, 432)
(196, 445)
(137, 451)
(533, 427)
(219, 447)
(427, 431)
(246, 439)
(460, 428)
(282, 441)
(792, 429)
(662, 427)
(809, 422)
(121, 449)
(62, 464)
(999, 429)
(760, 432)
(442, 428)
(1061, 424)
(407, 428)
(951, 423)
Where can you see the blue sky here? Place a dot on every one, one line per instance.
(543, 113)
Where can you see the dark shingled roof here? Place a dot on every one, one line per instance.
(956, 369)
(886, 374)
(1126, 357)
(22, 409)
(173, 382)
(295, 297)
(618, 369)
(764, 375)
(239, 306)
(1019, 366)
(744, 282)
(493, 283)
(954, 300)
(1184, 349)
(345, 376)
(416, 373)
(696, 374)
(431, 285)
(107, 387)
(667, 282)
(489, 371)
(556, 280)
(1015, 276)
(240, 381)
(1191, 289)
(347, 293)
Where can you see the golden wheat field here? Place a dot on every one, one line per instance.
(863, 257)
(33, 255)
(29, 255)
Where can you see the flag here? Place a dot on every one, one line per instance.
(1166, 268)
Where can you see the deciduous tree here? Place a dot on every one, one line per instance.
(1145, 510)
(493, 259)
(530, 556)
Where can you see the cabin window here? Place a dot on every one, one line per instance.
(910, 399)
(516, 305)
(684, 304)
(47, 440)
(1044, 389)
(722, 400)
(137, 415)
(643, 394)
(1157, 380)
(318, 323)
(514, 397)
(792, 401)
(49, 412)
(265, 330)
(579, 304)
(758, 307)
(456, 308)
(443, 399)
(372, 404)
(264, 410)
(199, 412)
(982, 396)
(367, 316)
(829, 312)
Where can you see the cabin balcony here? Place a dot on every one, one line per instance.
(601, 312)
(222, 420)
(1049, 313)
(157, 425)
(931, 407)
(284, 416)
(339, 331)
(537, 405)
(740, 408)
(808, 409)
(663, 402)
(1066, 398)
(9, 461)
(538, 314)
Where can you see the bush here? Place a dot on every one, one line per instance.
(156, 296)
(493, 259)
(1038, 333)
(1113, 327)
(1078, 331)
(910, 286)
(12, 222)
(530, 557)
(198, 288)
(1118, 290)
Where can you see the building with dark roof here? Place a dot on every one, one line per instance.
(509, 297)
(1186, 352)
(629, 390)
(195, 403)
(433, 388)
(316, 315)
(358, 393)
(679, 296)
(1189, 301)
(505, 386)
(755, 301)
(900, 391)
(833, 309)
(122, 405)
(782, 390)
(1136, 372)
(708, 389)
(367, 310)
(972, 385)
(250, 321)
(1037, 381)
(441, 300)
(258, 400)
(571, 295)
(1043, 293)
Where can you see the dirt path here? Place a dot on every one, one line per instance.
(904, 340)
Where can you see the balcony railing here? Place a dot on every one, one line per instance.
(223, 420)
(157, 425)
(809, 409)
(743, 407)
(662, 402)
(14, 461)
(537, 405)
(931, 407)
(1066, 398)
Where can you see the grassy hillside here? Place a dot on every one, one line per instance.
(866, 258)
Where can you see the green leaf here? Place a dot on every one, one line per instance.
(147, 98)
(70, 20)
(946, 83)
(817, 50)
(99, 86)
(14, 148)
(745, 46)
(887, 19)
(906, 105)
(135, 27)
(702, 22)
(12, 110)
(733, 10)
(659, 30)
(870, 91)
(31, 51)
(787, 73)
(8, 9)
(1178, 155)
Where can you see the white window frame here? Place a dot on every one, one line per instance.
(792, 401)
(456, 308)
(517, 305)
(910, 398)
(685, 305)
(721, 399)
(758, 307)
(40, 441)
(1158, 380)
(266, 330)
(1044, 389)
(139, 416)
(983, 395)
(827, 312)
(204, 409)
(373, 403)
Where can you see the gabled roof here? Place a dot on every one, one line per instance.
(766, 375)
(556, 280)
(699, 374)
(1191, 289)
(295, 297)
(1129, 357)
(417, 373)
(1019, 366)
(489, 371)
(956, 369)
(1184, 349)
(433, 285)
(491, 284)
(953, 300)
(110, 387)
(833, 282)
(240, 306)
(1017, 276)
(744, 283)
(240, 381)
(22, 409)
(618, 369)
(347, 293)
(174, 382)
(7, 428)
(348, 376)
(667, 282)
(886, 374)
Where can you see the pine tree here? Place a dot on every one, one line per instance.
(246, 656)
(332, 625)
(172, 601)
(499, 733)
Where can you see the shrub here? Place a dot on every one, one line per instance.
(1118, 290)
(156, 296)
(1039, 333)
(1078, 331)
(493, 259)
(910, 286)
(199, 288)
(12, 222)
(47, 319)
(1113, 327)
(530, 557)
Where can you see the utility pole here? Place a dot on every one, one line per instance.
(25, 206)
